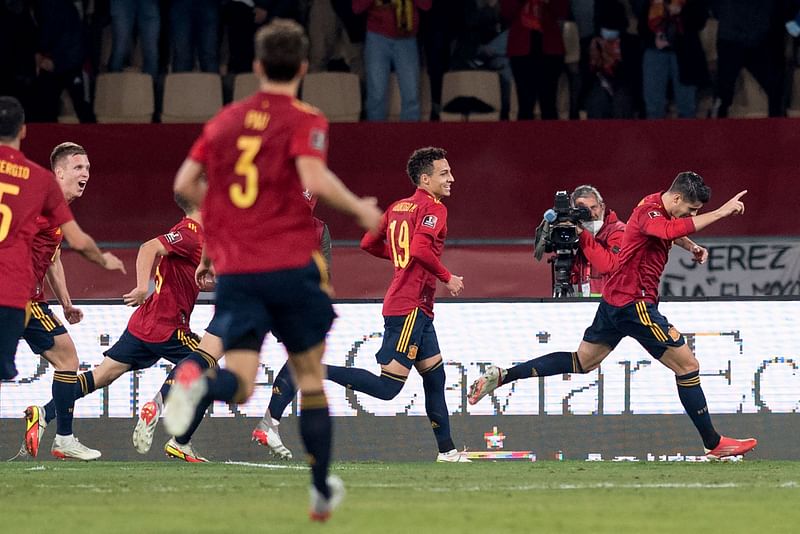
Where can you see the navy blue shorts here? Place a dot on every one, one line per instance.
(408, 339)
(290, 303)
(42, 328)
(214, 328)
(13, 324)
(639, 320)
(139, 354)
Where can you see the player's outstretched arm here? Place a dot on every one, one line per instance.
(86, 247)
(319, 180)
(732, 207)
(189, 182)
(145, 260)
(58, 283)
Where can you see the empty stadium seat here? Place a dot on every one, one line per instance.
(336, 94)
(483, 85)
(244, 85)
(794, 104)
(708, 38)
(124, 97)
(749, 100)
(191, 96)
(572, 42)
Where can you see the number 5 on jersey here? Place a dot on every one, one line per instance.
(244, 196)
(5, 210)
(401, 249)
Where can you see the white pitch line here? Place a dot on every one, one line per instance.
(267, 466)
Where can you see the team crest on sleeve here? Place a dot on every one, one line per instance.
(653, 214)
(318, 139)
(430, 221)
(173, 237)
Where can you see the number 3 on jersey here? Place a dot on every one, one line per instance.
(244, 196)
(401, 249)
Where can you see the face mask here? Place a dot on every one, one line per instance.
(609, 35)
(592, 226)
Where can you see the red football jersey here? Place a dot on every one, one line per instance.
(412, 235)
(169, 307)
(256, 217)
(26, 192)
(645, 246)
(45, 244)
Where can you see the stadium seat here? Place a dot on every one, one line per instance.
(67, 113)
(244, 85)
(794, 104)
(708, 38)
(191, 96)
(424, 97)
(124, 97)
(749, 100)
(483, 85)
(572, 42)
(337, 94)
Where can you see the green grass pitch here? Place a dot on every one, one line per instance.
(483, 497)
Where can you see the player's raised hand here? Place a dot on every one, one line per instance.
(455, 285)
(734, 206)
(73, 315)
(113, 263)
(135, 296)
(369, 214)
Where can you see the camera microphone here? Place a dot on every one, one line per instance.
(550, 216)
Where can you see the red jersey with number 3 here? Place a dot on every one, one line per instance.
(26, 192)
(170, 306)
(44, 248)
(411, 234)
(256, 217)
(648, 238)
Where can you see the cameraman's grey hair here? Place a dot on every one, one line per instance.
(583, 191)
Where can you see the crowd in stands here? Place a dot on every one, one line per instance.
(548, 59)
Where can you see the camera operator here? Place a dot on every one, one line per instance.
(600, 243)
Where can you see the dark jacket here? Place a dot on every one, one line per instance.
(692, 64)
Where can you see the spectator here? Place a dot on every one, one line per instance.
(614, 65)
(670, 31)
(18, 47)
(195, 32)
(144, 15)
(63, 49)
(337, 37)
(438, 28)
(536, 51)
(241, 18)
(482, 44)
(750, 35)
(391, 42)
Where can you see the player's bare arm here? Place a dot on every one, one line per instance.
(189, 182)
(732, 207)
(699, 254)
(58, 283)
(317, 178)
(145, 260)
(83, 243)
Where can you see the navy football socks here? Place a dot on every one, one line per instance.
(64, 383)
(554, 363)
(283, 391)
(316, 430)
(83, 385)
(694, 402)
(384, 387)
(436, 407)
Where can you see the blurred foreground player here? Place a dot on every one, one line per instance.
(630, 306)
(259, 155)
